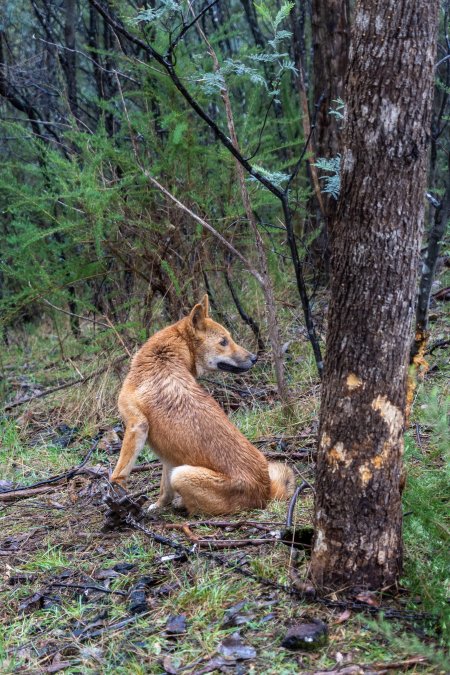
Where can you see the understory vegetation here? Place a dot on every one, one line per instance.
(56, 537)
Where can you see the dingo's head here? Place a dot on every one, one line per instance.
(215, 349)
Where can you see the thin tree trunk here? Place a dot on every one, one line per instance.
(263, 267)
(435, 236)
(375, 242)
(69, 61)
(330, 29)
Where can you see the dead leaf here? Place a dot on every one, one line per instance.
(57, 664)
(234, 649)
(234, 617)
(106, 574)
(138, 595)
(124, 568)
(368, 598)
(6, 485)
(169, 666)
(344, 616)
(37, 601)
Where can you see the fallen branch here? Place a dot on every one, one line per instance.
(54, 482)
(87, 587)
(67, 475)
(65, 385)
(23, 493)
(397, 665)
(290, 455)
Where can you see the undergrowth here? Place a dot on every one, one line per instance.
(58, 536)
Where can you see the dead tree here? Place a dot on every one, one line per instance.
(375, 242)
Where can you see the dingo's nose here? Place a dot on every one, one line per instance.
(253, 358)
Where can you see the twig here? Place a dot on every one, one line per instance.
(92, 587)
(243, 314)
(112, 626)
(207, 226)
(187, 26)
(418, 437)
(218, 544)
(78, 316)
(439, 344)
(65, 385)
(289, 455)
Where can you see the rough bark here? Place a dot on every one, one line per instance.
(375, 241)
(331, 36)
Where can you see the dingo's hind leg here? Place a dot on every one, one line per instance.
(206, 491)
(166, 492)
(133, 441)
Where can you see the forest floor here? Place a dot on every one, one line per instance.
(189, 595)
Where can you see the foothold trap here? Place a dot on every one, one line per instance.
(121, 506)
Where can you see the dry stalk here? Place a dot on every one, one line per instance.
(266, 281)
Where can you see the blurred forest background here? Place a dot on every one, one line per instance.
(152, 152)
(87, 113)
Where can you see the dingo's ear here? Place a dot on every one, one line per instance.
(197, 317)
(205, 304)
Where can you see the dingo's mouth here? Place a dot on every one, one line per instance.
(223, 365)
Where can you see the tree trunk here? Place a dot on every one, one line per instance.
(330, 28)
(331, 36)
(375, 243)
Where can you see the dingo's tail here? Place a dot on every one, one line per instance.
(282, 481)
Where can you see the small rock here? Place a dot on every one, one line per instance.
(138, 595)
(306, 636)
(123, 568)
(6, 485)
(176, 625)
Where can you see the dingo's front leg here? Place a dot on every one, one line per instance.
(134, 440)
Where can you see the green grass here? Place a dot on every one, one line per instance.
(426, 498)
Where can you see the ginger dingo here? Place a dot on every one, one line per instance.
(206, 460)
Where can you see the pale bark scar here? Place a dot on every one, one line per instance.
(325, 441)
(393, 418)
(338, 454)
(320, 544)
(365, 474)
(353, 382)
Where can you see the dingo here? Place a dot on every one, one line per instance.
(206, 460)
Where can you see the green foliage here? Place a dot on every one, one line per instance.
(80, 225)
(332, 184)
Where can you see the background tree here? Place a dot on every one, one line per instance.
(375, 242)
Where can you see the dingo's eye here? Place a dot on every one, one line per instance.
(223, 342)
